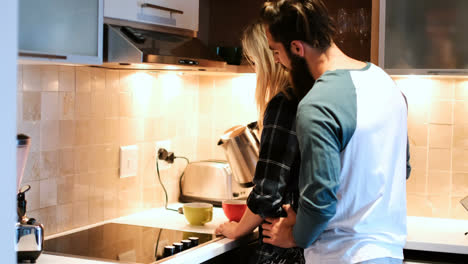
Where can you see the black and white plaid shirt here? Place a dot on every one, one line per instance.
(277, 171)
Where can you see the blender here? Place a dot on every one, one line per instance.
(29, 233)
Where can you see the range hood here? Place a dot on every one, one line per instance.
(127, 47)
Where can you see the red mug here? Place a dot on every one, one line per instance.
(234, 209)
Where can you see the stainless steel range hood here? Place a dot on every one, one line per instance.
(127, 47)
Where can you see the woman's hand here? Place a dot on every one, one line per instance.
(228, 230)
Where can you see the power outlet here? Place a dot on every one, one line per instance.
(166, 144)
(128, 161)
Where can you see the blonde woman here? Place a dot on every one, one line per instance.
(276, 174)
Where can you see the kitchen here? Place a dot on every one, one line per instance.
(78, 117)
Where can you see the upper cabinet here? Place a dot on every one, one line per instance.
(353, 19)
(181, 14)
(63, 31)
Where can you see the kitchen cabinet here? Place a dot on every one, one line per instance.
(64, 31)
(222, 23)
(171, 13)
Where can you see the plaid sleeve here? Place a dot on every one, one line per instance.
(278, 151)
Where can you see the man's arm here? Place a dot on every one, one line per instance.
(320, 144)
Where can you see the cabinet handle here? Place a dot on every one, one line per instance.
(162, 8)
(44, 56)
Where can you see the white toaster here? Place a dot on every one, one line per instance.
(210, 181)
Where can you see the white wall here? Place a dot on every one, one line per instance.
(8, 54)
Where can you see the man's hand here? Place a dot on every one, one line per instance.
(227, 229)
(279, 232)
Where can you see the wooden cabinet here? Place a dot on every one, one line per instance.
(172, 13)
(222, 23)
(65, 31)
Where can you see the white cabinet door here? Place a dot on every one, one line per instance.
(68, 31)
(172, 13)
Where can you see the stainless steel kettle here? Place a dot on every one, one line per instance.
(241, 146)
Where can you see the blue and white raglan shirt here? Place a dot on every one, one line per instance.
(352, 134)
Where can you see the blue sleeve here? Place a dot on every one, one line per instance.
(326, 122)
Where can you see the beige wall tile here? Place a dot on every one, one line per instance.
(440, 136)
(112, 80)
(49, 164)
(439, 159)
(418, 157)
(439, 182)
(441, 112)
(81, 187)
(49, 135)
(49, 78)
(417, 181)
(82, 160)
(83, 80)
(80, 213)
(96, 211)
(113, 105)
(417, 134)
(99, 104)
(460, 136)
(82, 135)
(443, 89)
(439, 205)
(31, 106)
(66, 162)
(82, 105)
(32, 78)
(49, 106)
(67, 133)
(66, 107)
(48, 192)
(460, 160)
(65, 189)
(125, 105)
(461, 89)
(48, 217)
(460, 184)
(98, 79)
(64, 217)
(66, 79)
(457, 210)
(461, 113)
(97, 131)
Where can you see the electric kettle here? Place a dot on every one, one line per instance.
(241, 146)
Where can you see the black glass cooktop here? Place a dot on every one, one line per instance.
(120, 242)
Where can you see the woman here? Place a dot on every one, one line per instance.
(276, 174)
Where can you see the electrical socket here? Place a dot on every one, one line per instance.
(166, 144)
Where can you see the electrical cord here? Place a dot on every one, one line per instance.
(164, 188)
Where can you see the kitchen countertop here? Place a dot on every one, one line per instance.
(427, 234)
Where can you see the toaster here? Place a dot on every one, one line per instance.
(210, 181)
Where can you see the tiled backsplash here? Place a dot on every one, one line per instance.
(78, 117)
(438, 134)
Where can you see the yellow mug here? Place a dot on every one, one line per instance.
(198, 213)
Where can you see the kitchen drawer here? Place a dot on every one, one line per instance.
(158, 12)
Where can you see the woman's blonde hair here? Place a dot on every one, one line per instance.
(272, 78)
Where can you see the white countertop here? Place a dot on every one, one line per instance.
(437, 234)
(427, 234)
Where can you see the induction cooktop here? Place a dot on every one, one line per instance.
(121, 242)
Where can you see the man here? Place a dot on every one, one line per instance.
(352, 133)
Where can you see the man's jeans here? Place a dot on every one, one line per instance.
(383, 261)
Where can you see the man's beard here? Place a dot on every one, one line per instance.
(301, 79)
